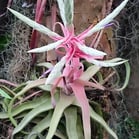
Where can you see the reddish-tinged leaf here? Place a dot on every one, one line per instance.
(80, 95)
(34, 42)
(91, 84)
(38, 5)
(41, 10)
(53, 15)
(9, 3)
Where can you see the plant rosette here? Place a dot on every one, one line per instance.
(69, 73)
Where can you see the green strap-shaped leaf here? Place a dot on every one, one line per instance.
(30, 85)
(62, 104)
(100, 120)
(4, 94)
(79, 127)
(89, 73)
(61, 131)
(69, 7)
(41, 108)
(25, 106)
(62, 11)
(42, 125)
(66, 8)
(34, 24)
(60, 135)
(127, 77)
(71, 122)
(8, 90)
(108, 63)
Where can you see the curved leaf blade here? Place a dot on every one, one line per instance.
(63, 103)
(89, 73)
(34, 24)
(108, 63)
(101, 121)
(71, 122)
(79, 127)
(56, 71)
(41, 108)
(25, 106)
(45, 64)
(46, 48)
(127, 77)
(68, 6)
(4, 94)
(62, 10)
(90, 51)
(42, 125)
(107, 19)
(80, 95)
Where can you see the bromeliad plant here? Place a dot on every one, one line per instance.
(69, 73)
